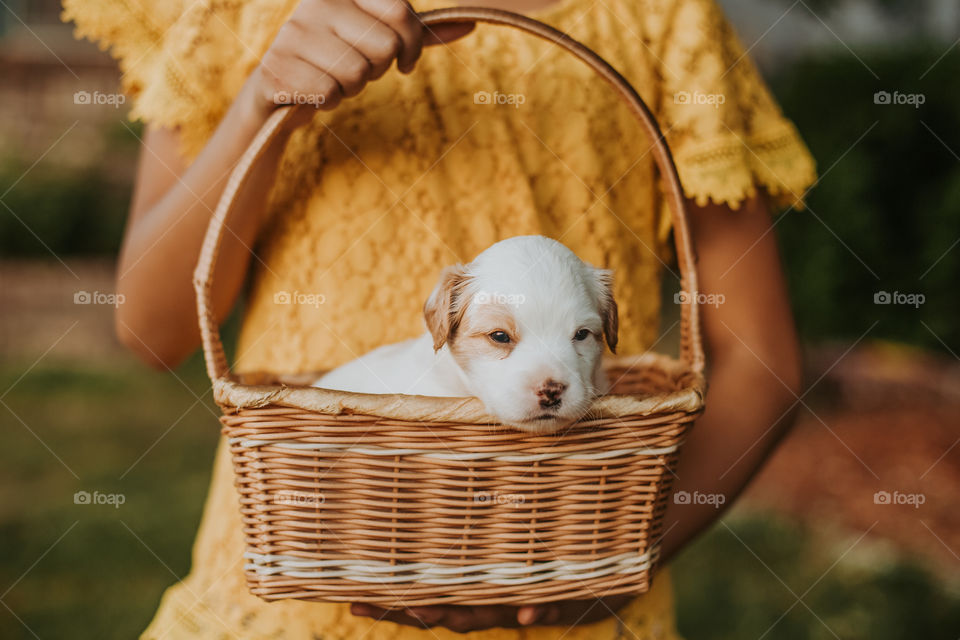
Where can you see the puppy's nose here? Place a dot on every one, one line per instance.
(549, 392)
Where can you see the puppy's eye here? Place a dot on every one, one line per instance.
(583, 334)
(500, 336)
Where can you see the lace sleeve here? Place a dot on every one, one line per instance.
(727, 133)
(182, 61)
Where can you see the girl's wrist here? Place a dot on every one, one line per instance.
(254, 106)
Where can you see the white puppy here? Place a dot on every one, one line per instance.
(522, 328)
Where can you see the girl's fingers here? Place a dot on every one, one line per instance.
(429, 616)
(496, 616)
(444, 33)
(528, 614)
(550, 615)
(399, 16)
(337, 58)
(320, 89)
(403, 617)
(365, 610)
(463, 619)
(301, 82)
(373, 39)
(330, 50)
(539, 614)
(362, 609)
(399, 616)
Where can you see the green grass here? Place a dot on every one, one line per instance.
(756, 576)
(99, 580)
(102, 580)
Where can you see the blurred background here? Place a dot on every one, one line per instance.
(851, 531)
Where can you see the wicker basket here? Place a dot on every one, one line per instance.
(401, 500)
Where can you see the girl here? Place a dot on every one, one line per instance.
(365, 203)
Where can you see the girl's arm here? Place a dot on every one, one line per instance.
(753, 361)
(754, 369)
(168, 218)
(328, 48)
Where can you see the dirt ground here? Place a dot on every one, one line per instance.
(59, 308)
(876, 447)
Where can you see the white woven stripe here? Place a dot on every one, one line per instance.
(446, 455)
(501, 573)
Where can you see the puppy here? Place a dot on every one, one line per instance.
(522, 328)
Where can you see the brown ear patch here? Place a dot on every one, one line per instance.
(444, 308)
(611, 323)
(609, 312)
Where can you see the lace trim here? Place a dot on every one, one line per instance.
(728, 170)
(153, 48)
(135, 39)
(725, 169)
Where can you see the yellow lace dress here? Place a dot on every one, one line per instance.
(373, 199)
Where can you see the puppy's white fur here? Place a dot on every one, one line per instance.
(555, 312)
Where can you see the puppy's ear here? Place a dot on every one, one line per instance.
(608, 306)
(444, 308)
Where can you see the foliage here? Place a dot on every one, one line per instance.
(51, 210)
(894, 8)
(884, 216)
(69, 212)
(759, 576)
(122, 430)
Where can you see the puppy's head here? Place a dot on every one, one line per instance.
(526, 321)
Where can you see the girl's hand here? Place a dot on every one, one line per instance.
(463, 619)
(327, 50)
(330, 49)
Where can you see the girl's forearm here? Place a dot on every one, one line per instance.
(168, 220)
(754, 366)
(172, 206)
(748, 411)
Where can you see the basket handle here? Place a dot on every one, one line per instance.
(691, 343)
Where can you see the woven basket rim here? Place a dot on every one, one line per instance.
(233, 395)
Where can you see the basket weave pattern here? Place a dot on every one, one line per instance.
(406, 500)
